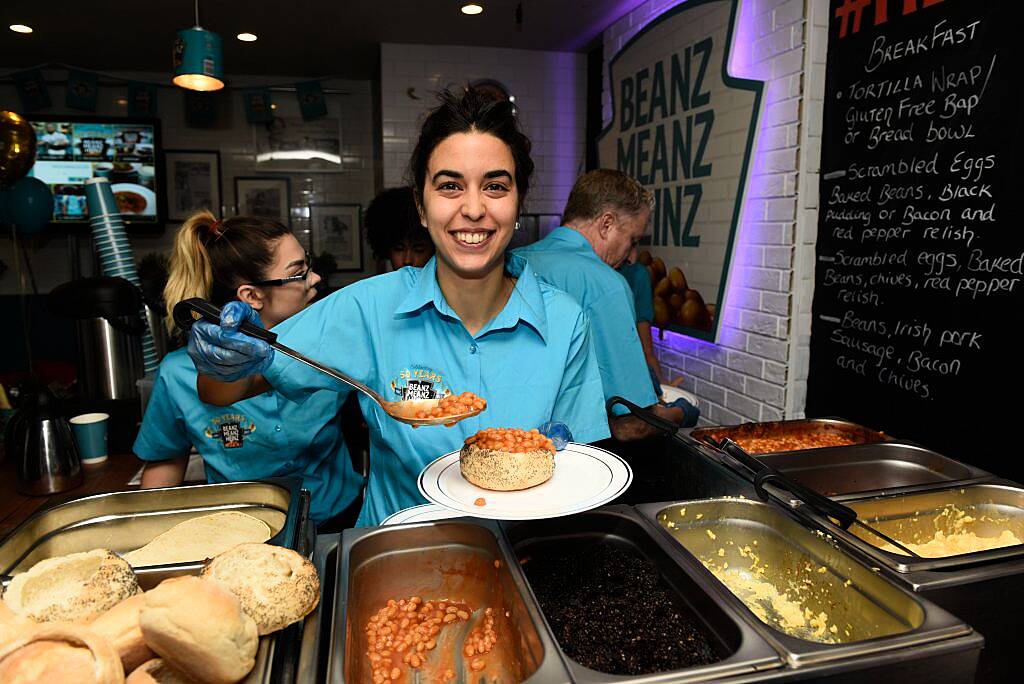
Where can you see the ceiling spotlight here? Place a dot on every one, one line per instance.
(246, 37)
(472, 8)
(20, 28)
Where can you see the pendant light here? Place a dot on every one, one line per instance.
(198, 59)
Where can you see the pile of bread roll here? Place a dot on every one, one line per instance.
(82, 618)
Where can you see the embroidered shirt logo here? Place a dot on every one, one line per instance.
(230, 429)
(419, 383)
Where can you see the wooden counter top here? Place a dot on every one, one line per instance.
(109, 476)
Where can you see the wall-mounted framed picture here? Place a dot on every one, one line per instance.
(264, 196)
(335, 229)
(193, 182)
(294, 144)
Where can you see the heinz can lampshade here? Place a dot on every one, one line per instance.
(198, 60)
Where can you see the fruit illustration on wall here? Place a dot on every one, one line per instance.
(674, 300)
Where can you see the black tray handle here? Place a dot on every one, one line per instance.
(188, 311)
(764, 473)
(665, 426)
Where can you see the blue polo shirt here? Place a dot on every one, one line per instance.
(534, 362)
(566, 260)
(263, 436)
(639, 281)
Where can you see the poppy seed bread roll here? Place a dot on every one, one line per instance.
(73, 588)
(507, 459)
(10, 623)
(276, 586)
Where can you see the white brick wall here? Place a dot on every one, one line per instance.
(758, 371)
(234, 138)
(550, 91)
(807, 206)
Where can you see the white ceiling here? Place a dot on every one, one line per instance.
(296, 37)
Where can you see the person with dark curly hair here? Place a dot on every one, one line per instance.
(395, 232)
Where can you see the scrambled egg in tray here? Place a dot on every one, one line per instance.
(952, 535)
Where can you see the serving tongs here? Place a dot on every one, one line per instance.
(763, 474)
(188, 311)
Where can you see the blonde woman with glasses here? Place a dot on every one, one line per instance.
(258, 262)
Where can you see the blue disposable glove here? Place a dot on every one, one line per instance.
(225, 354)
(691, 413)
(557, 432)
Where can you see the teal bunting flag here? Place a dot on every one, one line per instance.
(257, 105)
(31, 87)
(141, 99)
(200, 109)
(82, 90)
(311, 99)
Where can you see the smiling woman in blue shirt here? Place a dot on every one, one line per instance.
(259, 262)
(471, 319)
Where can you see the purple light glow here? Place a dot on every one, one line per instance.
(565, 166)
(746, 253)
(617, 11)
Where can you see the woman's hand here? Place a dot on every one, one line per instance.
(222, 353)
(558, 433)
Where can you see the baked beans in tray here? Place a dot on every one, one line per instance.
(792, 435)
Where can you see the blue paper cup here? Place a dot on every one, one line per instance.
(117, 266)
(91, 435)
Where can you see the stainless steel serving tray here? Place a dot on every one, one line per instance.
(365, 567)
(871, 614)
(124, 521)
(853, 471)
(742, 650)
(317, 629)
(995, 505)
(783, 428)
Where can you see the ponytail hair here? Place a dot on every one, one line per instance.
(211, 258)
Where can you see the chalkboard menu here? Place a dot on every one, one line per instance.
(919, 280)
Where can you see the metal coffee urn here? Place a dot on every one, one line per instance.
(109, 334)
(39, 440)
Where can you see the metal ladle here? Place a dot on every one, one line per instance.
(189, 311)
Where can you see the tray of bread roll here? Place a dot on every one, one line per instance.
(194, 584)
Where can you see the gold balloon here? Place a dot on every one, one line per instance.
(17, 147)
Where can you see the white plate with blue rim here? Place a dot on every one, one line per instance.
(670, 393)
(420, 514)
(585, 477)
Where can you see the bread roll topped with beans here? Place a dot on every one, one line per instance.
(507, 459)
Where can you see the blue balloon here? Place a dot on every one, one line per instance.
(29, 205)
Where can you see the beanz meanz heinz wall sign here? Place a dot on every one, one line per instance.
(686, 130)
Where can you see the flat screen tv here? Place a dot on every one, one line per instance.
(72, 149)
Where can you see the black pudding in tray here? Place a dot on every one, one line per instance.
(611, 610)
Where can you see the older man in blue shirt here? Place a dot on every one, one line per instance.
(604, 219)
